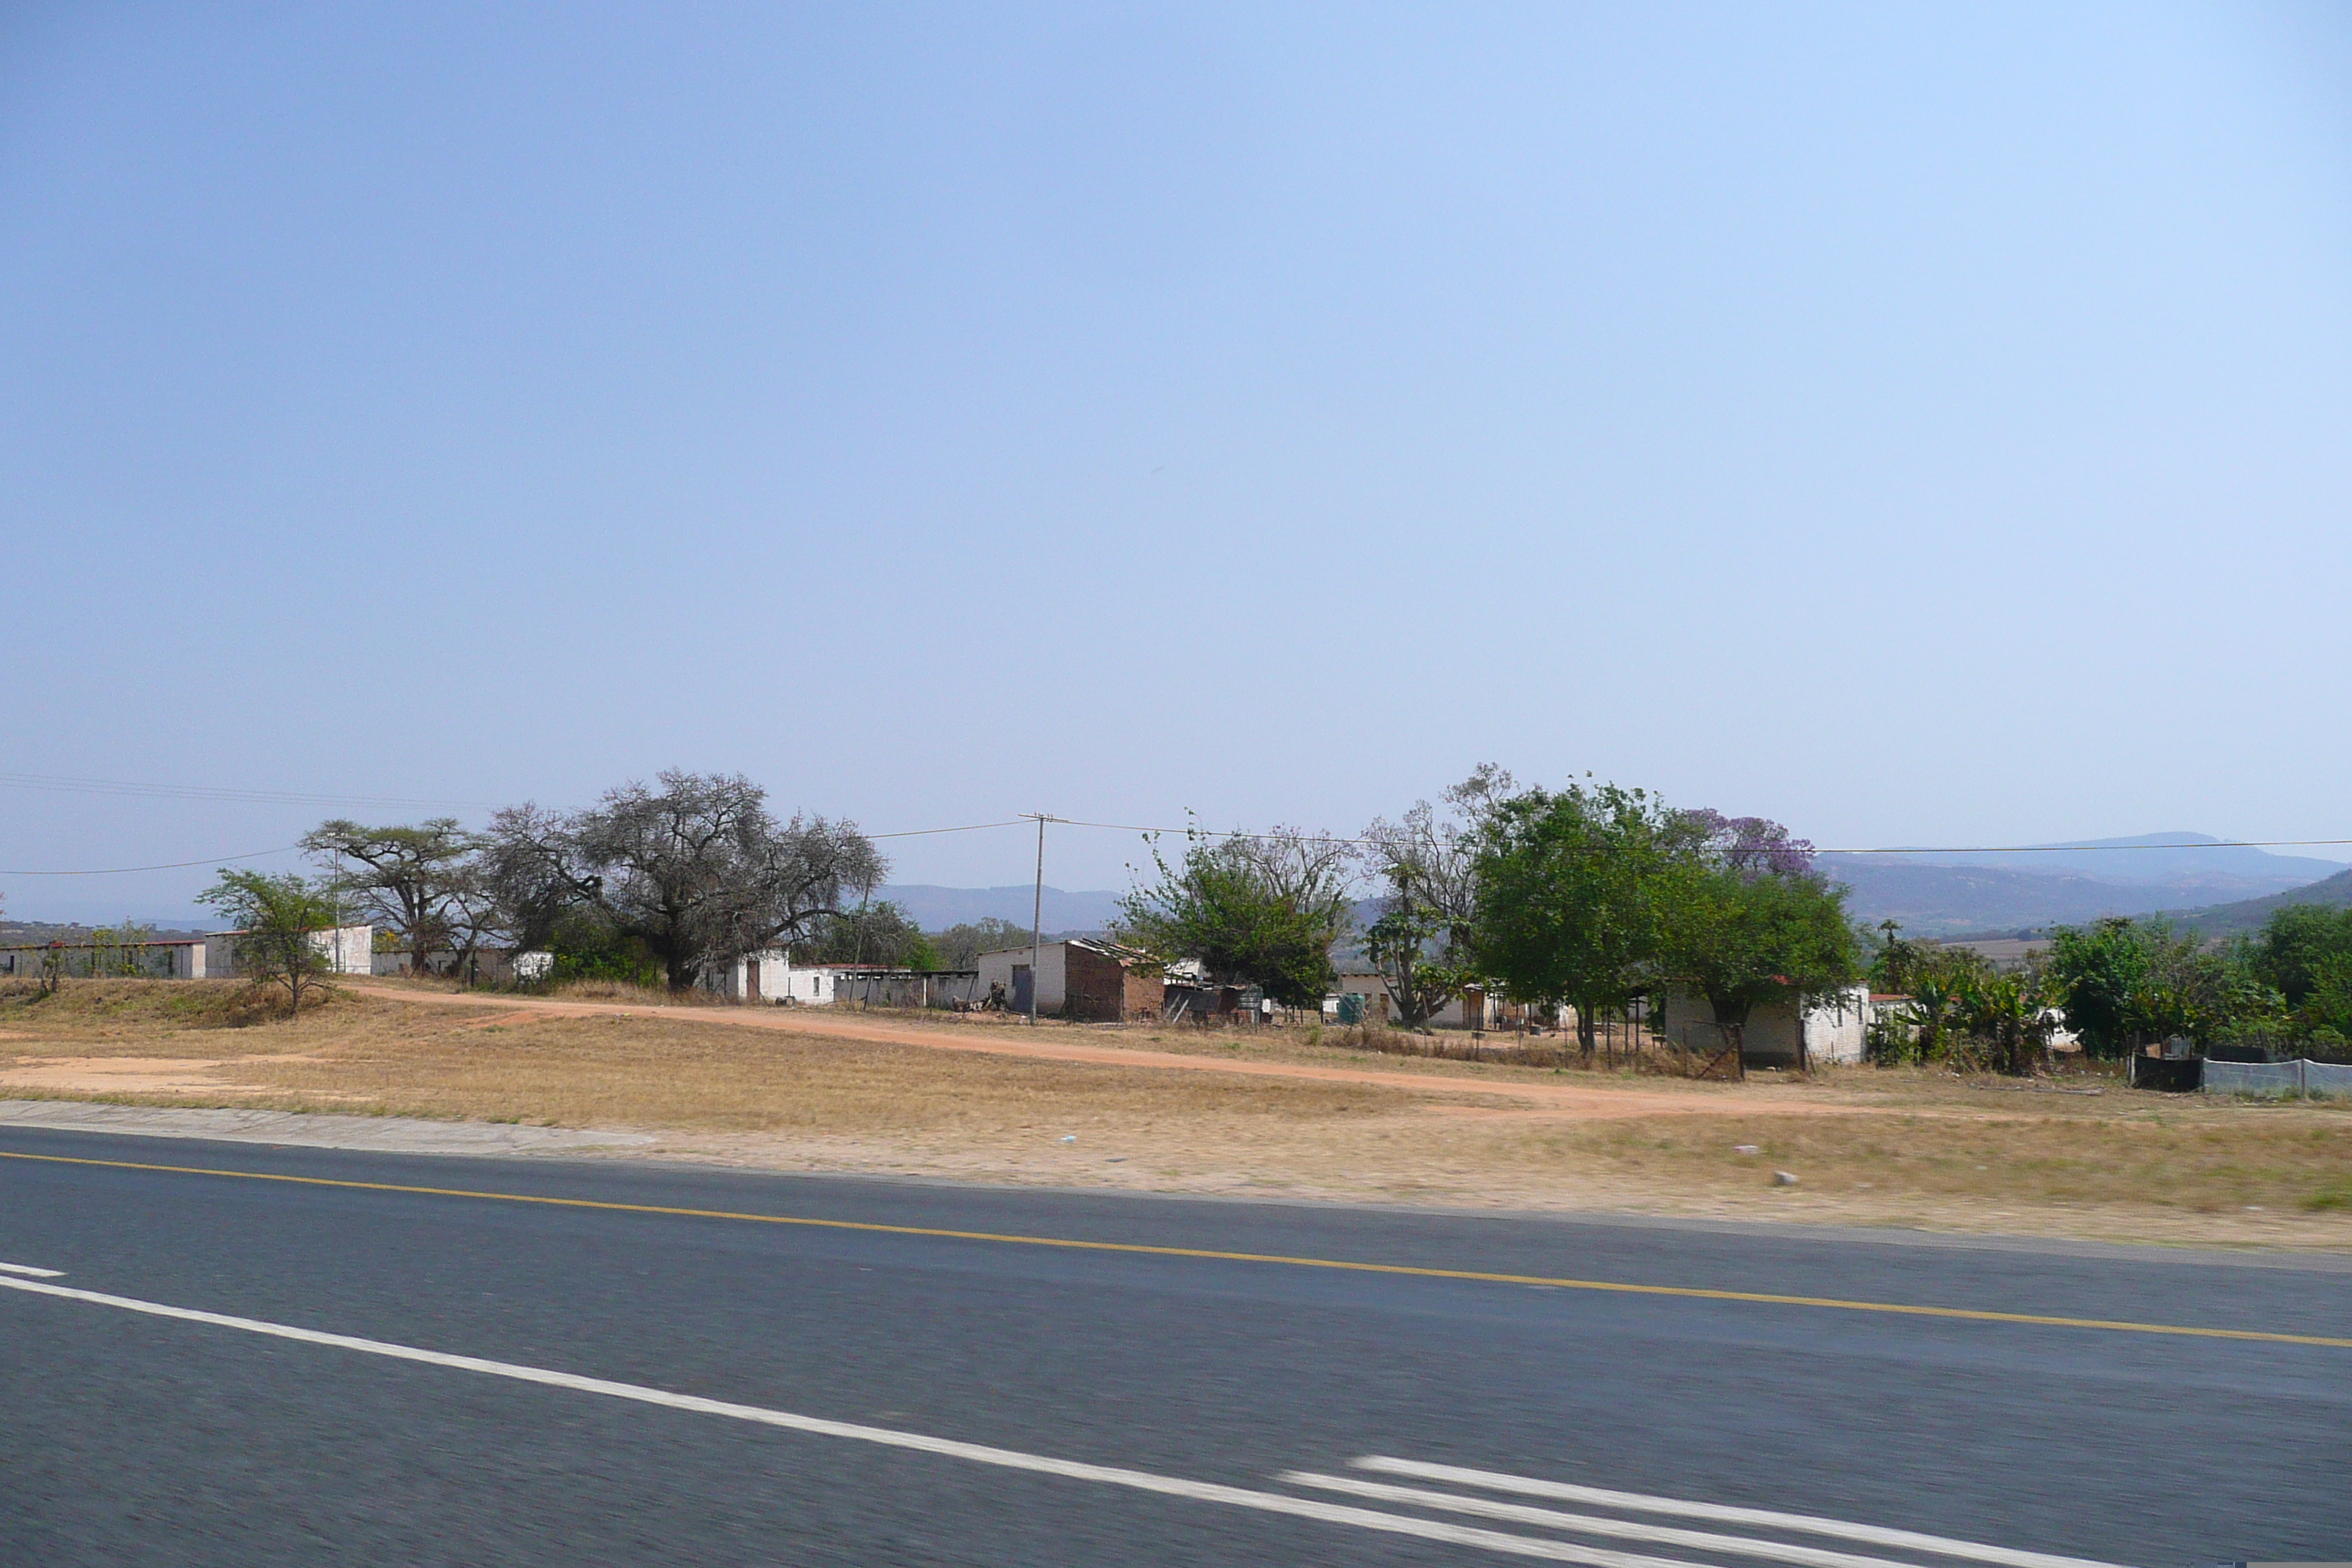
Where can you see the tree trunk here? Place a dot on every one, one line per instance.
(1732, 1018)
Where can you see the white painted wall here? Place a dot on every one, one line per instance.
(812, 986)
(1831, 1028)
(347, 950)
(1053, 974)
(496, 965)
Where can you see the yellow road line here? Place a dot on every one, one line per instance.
(1693, 1292)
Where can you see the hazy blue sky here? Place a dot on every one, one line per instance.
(1917, 424)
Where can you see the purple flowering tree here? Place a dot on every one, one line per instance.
(1751, 846)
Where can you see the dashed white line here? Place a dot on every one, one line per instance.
(1638, 1503)
(1591, 1524)
(1008, 1458)
(1549, 1550)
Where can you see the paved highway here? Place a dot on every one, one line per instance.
(203, 1367)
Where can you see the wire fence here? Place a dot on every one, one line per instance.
(2300, 1077)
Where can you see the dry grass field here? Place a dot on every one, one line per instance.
(1294, 1115)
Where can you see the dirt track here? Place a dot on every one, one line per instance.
(1566, 1100)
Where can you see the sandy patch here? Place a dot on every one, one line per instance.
(116, 1075)
(131, 1075)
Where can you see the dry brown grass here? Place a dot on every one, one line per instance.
(1911, 1148)
(2192, 1160)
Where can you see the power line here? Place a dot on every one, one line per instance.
(968, 828)
(1973, 850)
(2078, 848)
(207, 792)
(174, 866)
(21, 779)
(292, 797)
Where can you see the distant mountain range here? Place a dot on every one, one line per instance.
(1931, 892)
(936, 909)
(1945, 894)
(2216, 889)
(2225, 920)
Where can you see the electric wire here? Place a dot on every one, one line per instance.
(283, 797)
(172, 865)
(968, 828)
(1897, 850)
(207, 792)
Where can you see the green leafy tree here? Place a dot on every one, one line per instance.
(1261, 911)
(1937, 982)
(121, 948)
(2106, 970)
(1411, 949)
(1939, 999)
(2009, 1018)
(2325, 1015)
(423, 884)
(876, 934)
(1568, 897)
(2130, 983)
(1898, 963)
(961, 946)
(1741, 932)
(279, 920)
(2293, 946)
(587, 945)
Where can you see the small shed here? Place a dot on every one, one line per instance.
(1792, 1033)
(1082, 978)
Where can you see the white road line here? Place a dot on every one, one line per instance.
(28, 1269)
(1008, 1458)
(1589, 1524)
(1638, 1502)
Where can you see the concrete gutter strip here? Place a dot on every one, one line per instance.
(384, 1134)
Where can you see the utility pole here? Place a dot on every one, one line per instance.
(1037, 921)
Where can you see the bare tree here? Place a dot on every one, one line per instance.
(1420, 940)
(1310, 871)
(702, 874)
(530, 874)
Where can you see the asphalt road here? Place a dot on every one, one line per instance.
(874, 1398)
